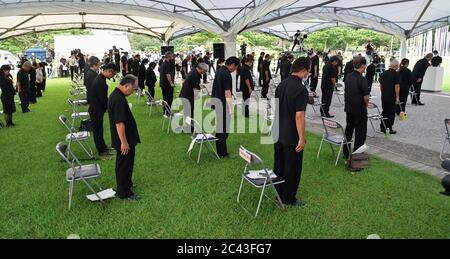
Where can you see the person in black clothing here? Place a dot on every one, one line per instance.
(370, 73)
(289, 132)
(130, 65)
(116, 54)
(124, 136)
(150, 78)
(23, 86)
(194, 61)
(285, 69)
(44, 74)
(315, 63)
(32, 93)
(436, 61)
(406, 82)
(297, 39)
(8, 93)
(142, 73)
(98, 105)
(418, 74)
(329, 79)
(167, 79)
(185, 67)
(247, 86)
(81, 62)
(124, 63)
(187, 91)
(267, 76)
(222, 103)
(136, 65)
(390, 95)
(349, 68)
(90, 75)
(260, 68)
(206, 60)
(356, 100)
(282, 58)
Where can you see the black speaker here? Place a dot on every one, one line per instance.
(165, 49)
(219, 50)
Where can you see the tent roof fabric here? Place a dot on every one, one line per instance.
(175, 18)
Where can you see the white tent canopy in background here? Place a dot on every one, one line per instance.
(93, 45)
(170, 19)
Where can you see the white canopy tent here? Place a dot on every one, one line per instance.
(93, 45)
(170, 19)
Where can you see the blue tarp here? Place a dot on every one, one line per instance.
(36, 53)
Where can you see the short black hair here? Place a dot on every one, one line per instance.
(152, 65)
(334, 59)
(145, 61)
(110, 66)
(232, 61)
(301, 64)
(358, 62)
(128, 79)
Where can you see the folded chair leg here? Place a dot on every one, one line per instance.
(278, 196)
(200, 152)
(339, 155)
(320, 149)
(260, 200)
(240, 190)
(70, 193)
(92, 189)
(441, 156)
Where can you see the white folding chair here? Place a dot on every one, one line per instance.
(335, 136)
(339, 92)
(200, 138)
(446, 140)
(139, 93)
(260, 177)
(168, 115)
(79, 172)
(374, 115)
(150, 103)
(413, 95)
(80, 137)
(317, 104)
(77, 115)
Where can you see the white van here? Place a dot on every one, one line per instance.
(7, 58)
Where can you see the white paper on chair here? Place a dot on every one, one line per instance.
(261, 174)
(362, 149)
(106, 194)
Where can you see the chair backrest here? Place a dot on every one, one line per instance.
(249, 157)
(166, 106)
(63, 120)
(372, 106)
(447, 127)
(193, 123)
(332, 127)
(62, 149)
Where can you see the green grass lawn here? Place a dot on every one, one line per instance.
(183, 200)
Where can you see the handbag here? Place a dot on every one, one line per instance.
(358, 162)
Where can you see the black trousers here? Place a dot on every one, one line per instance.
(418, 90)
(265, 88)
(205, 78)
(404, 92)
(151, 90)
(246, 98)
(288, 165)
(369, 84)
(167, 95)
(389, 114)
(261, 78)
(39, 89)
(327, 97)
(32, 92)
(124, 173)
(357, 123)
(97, 126)
(223, 125)
(141, 83)
(44, 84)
(188, 109)
(24, 99)
(314, 83)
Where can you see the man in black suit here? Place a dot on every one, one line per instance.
(98, 105)
(418, 74)
(91, 74)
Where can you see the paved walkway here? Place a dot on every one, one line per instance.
(419, 139)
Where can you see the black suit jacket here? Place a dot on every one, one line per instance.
(98, 103)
